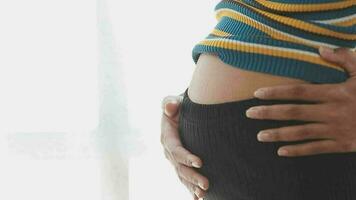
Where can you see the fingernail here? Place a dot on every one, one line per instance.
(282, 152)
(202, 186)
(251, 112)
(195, 164)
(166, 112)
(165, 106)
(326, 50)
(262, 136)
(259, 93)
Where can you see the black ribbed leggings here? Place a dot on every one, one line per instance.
(239, 167)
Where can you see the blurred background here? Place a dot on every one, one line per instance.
(81, 85)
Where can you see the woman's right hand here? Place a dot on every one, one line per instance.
(182, 160)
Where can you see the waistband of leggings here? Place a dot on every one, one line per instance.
(226, 110)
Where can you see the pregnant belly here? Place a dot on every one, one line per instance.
(237, 165)
(214, 81)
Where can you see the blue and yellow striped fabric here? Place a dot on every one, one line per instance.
(282, 37)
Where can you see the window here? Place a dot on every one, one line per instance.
(81, 85)
(49, 100)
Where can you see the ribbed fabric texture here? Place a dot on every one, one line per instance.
(282, 37)
(239, 167)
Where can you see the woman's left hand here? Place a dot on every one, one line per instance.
(333, 116)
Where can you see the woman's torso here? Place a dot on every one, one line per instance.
(269, 36)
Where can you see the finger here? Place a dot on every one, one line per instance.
(310, 148)
(307, 92)
(189, 186)
(171, 142)
(172, 110)
(342, 56)
(192, 176)
(194, 190)
(183, 156)
(169, 133)
(304, 112)
(171, 104)
(295, 133)
(170, 98)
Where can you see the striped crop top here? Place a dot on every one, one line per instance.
(282, 37)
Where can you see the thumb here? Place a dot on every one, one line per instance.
(171, 105)
(342, 56)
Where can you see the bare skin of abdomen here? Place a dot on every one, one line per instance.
(215, 82)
